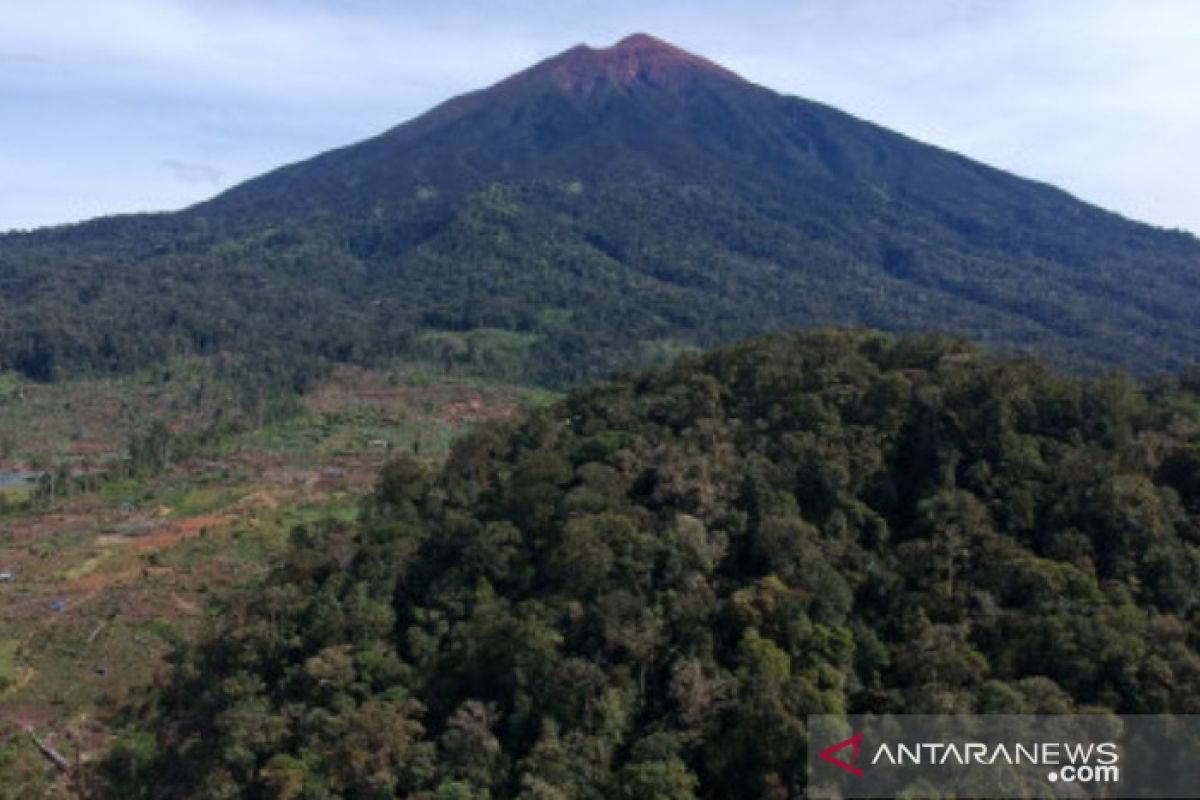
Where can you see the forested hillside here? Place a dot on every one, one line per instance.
(604, 207)
(641, 591)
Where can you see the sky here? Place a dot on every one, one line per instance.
(140, 105)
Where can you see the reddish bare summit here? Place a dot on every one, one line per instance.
(637, 59)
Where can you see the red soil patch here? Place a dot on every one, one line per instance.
(636, 59)
(95, 582)
(475, 409)
(185, 605)
(177, 532)
(27, 715)
(457, 403)
(162, 538)
(91, 447)
(260, 499)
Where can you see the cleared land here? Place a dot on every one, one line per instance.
(106, 581)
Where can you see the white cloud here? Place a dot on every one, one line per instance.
(192, 172)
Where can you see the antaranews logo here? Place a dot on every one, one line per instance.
(854, 742)
(1068, 761)
(986, 756)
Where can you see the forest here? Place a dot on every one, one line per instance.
(640, 591)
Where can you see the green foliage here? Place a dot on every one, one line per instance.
(128, 769)
(640, 592)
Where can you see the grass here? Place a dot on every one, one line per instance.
(14, 495)
(8, 661)
(86, 567)
(10, 381)
(194, 502)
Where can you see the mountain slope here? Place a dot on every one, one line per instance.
(611, 204)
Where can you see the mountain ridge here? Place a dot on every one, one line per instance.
(608, 203)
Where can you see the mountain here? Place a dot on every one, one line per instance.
(603, 207)
(642, 591)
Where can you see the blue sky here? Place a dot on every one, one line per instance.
(130, 105)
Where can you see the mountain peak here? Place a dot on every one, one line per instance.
(636, 59)
(645, 43)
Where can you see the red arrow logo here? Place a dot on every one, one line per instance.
(827, 755)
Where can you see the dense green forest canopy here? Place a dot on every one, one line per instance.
(606, 207)
(640, 592)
